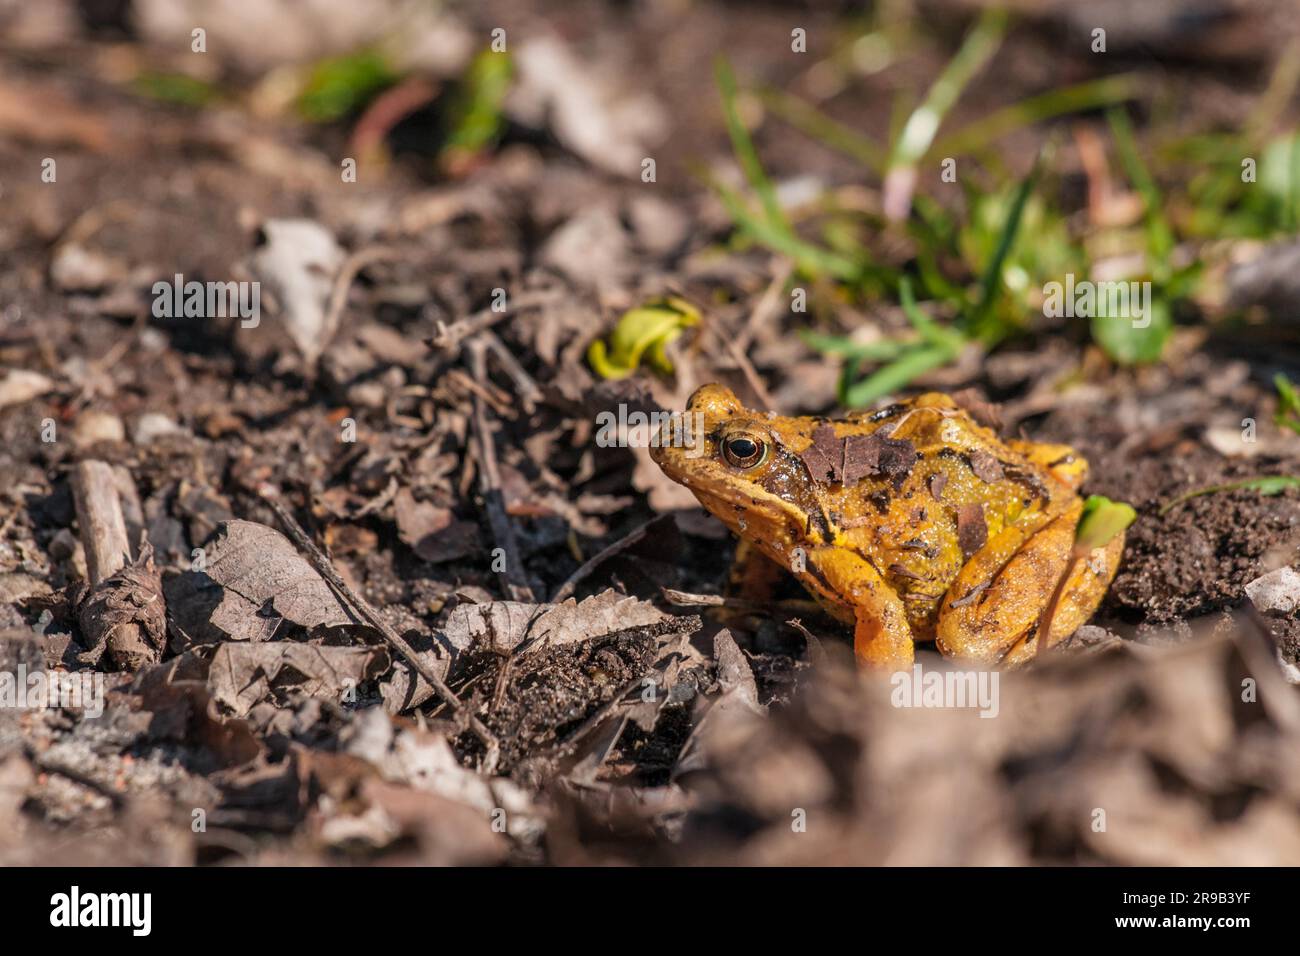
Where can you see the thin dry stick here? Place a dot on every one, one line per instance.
(99, 513)
(449, 337)
(751, 376)
(490, 485)
(768, 303)
(325, 568)
(631, 538)
(530, 393)
(347, 273)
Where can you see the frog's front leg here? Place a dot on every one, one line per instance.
(754, 576)
(882, 639)
(991, 612)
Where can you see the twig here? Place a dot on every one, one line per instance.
(99, 514)
(449, 337)
(768, 303)
(343, 279)
(623, 543)
(687, 599)
(751, 375)
(325, 568)
(490, 486)
(530, 393)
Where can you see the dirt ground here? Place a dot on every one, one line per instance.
(440, 457)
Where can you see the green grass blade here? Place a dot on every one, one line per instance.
(743, 145)
(1160, 237)
(979, 324)
(897, 374)
(1079, 98)
(976, 50)
(884, 350)
(808, 257)
(830, 132)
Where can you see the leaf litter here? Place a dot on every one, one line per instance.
(597, 721)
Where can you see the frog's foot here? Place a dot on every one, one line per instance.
(1061, 461)
(751, 585)
(991, 612)
(882, 641)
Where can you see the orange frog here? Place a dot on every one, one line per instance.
(913, 523)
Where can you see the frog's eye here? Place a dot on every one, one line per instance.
(744, 451)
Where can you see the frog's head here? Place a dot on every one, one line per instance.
(744, 467)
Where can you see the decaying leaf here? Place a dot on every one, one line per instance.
(264, 579)
(848, 460)
(242, 674)
(501, 625)
(434, 532)
(125, 615)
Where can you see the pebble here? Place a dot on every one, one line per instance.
(96, 426)
(1277, 592)
(153, 425)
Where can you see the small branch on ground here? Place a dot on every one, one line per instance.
(517, 586)
(325, 568)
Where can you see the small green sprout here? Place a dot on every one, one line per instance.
(475, 119)
(342, 85)
(1102, 521)
(1288, 404)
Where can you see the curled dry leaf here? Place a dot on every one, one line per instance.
(298, 262)
(125, 615)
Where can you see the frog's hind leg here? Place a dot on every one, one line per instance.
(1061, 461)
(991, 612)
(1080, 596)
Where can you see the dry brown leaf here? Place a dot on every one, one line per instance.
(264, 579)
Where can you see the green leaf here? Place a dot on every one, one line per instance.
(1101, 522)
(976, 50)
(643, 332)
(474, 120)
(1267, 485)
(341, 85)
(1129, 344)
(175, 88)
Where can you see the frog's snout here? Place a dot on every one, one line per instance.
(715, 402)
